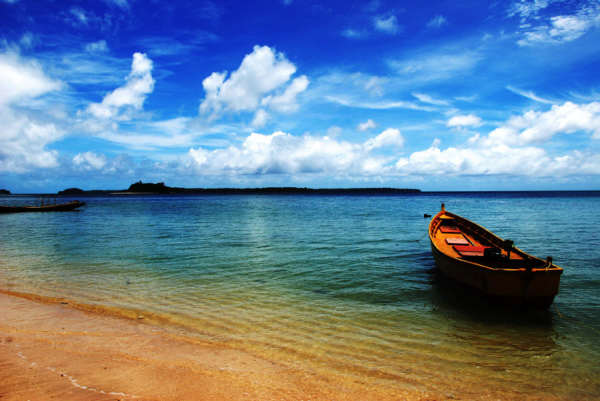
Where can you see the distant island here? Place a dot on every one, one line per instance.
(160, 188)
(71, 191)
(4, 192)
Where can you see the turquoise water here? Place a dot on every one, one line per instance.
(340, 285)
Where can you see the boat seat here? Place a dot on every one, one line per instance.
(470, 250)
(457, 241)
(449, 229)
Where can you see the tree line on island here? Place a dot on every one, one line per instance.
(160, 188)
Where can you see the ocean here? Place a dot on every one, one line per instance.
(338, 285)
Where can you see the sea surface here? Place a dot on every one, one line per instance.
(335, 285)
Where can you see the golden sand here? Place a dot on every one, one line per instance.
(53, 349)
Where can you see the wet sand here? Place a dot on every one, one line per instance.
(51, 349)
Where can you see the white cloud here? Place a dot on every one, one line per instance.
(176, 132)
(286, 102)
(527, 8)
(89, 161)
(148, 141)
(279, 153)
(508, 150)
(437, 22)
(172, 126)
(428, 99)
(97, 47)
(536, 29)
(283, 153)
(499, 159)
(130, 96)
(260, 118)
(481, 159)
(387, 24)
(560, 29)
(374, 86)
(260, 73)
(537, 127)
(383, 105)
(334, 131)
(529, 95)
(436, 65)
(366, 125)
(391, 137)
(23, 142)
(22, 79)
(469, 120)
(25, 133)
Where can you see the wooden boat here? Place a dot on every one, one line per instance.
(61, 207)
(472, 255)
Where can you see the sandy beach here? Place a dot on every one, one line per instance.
(51, 349)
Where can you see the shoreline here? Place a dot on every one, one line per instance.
(52, 347)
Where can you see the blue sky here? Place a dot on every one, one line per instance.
(439, 95)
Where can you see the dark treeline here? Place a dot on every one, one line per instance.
(160, 188)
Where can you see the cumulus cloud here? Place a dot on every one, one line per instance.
(130, 96)
(481, 159)
(537, 127)
(283, 153)
(89, 161)
(391, 137)
(500, 159)
(22, 79)
(255, 83)
(23, 142)
(508, 150)
(286, 102)
(469, 120)
(25, 133)
(278, 153)
(366, 125)
(260, 118)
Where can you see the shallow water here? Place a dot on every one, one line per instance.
(341, 285)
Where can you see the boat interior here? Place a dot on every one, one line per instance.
(461, 239)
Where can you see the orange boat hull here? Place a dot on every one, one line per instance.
(528, 281)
